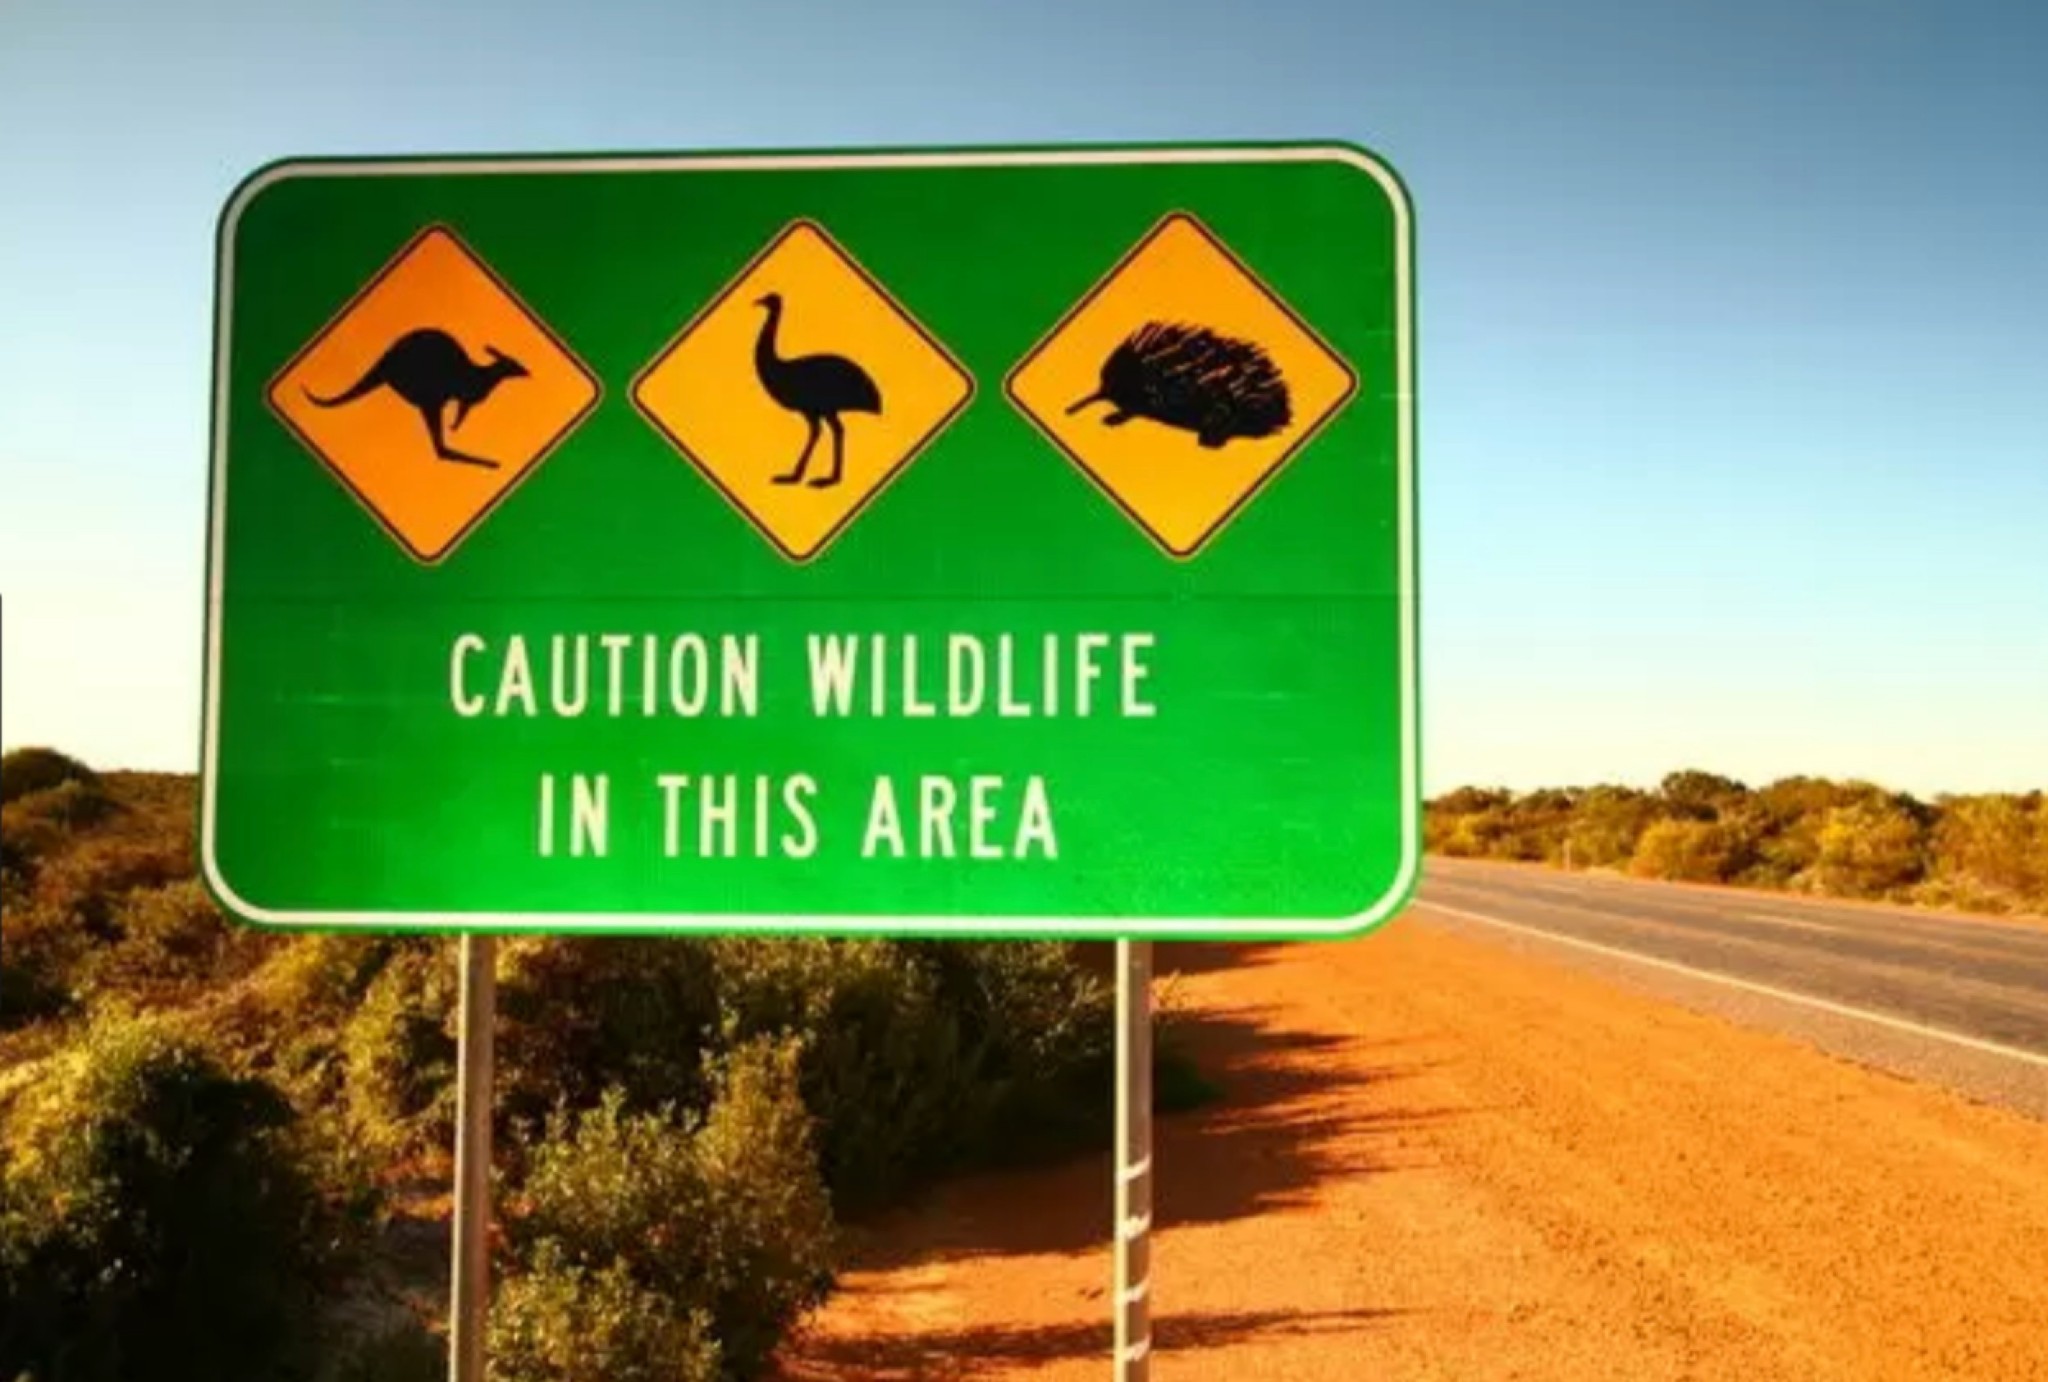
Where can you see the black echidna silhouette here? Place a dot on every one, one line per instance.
(1194, 379)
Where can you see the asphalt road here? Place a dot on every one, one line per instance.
(1953, 1000)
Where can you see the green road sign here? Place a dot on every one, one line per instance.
(969, 542)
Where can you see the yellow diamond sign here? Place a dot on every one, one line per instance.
(432, 393)
(802, 390)
(1181, 384)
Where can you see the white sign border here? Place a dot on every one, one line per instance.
(962, 927)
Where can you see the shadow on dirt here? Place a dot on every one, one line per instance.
(966, 1352)
(1185, 957)
(1291, 1115)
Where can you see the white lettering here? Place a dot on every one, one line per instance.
(1052, 675)
(718, 806)
(615, 645)
(672, 785)
(1037, 821)
(884, 821)
(960, 700)
(832, 667)
(516, 681)
(795, 792)
(688, 677)
(1134, 672)
(714, 812)
(936, 796)
(569, 709)
(590, 820)
(988, 814)
(1086, 647)
(1007, 704)
(981, 815)
(466, 705)
(742, 684)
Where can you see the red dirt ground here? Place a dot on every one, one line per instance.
(1434, 1160)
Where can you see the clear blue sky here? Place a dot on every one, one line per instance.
(1734, 320)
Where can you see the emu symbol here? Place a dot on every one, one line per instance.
(820, 387)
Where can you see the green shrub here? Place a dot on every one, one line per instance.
(884, 1069)
(173, 934)
(1992, 851)
(1689, 850)
(1871, 849)
(328, 974)
(1038, 1036)
(287, 1021)
(89, 883)
(398, 1052)
(561, 1322)
(159, 1220)
(772, 1238)
(27, 770)
(43, 823)
(1473, 801)
(576, 1014)
(1848, 838)
(1693, 795)
(41, 955)
(724, 1216)
(923, 1057)
(1607, 825)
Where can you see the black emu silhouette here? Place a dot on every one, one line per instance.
(429, 369)
(821, 387)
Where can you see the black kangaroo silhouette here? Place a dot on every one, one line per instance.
(429, 369)
(820, 387)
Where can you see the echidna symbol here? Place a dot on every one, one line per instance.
(1194, 379)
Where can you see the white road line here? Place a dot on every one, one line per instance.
(1787, 995)
(1770, 920)
(1711, 899)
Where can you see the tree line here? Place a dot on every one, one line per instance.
(1985, 852)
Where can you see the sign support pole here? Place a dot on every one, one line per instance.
(1133, 1300)
(469, 1307)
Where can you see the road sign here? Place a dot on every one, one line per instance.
(1224, 379)
(382, 394)
(728, 396)
(957, 542)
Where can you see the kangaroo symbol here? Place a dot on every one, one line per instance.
(429, 369)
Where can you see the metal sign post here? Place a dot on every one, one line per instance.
(470, 1284)
(1133, 1302)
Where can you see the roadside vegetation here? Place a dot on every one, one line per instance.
(224, 1153)
(1984, 853)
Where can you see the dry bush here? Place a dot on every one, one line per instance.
(161, 1218)
(1836, 838)
(26, 771)
(709, 1228)
(1692, 851)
